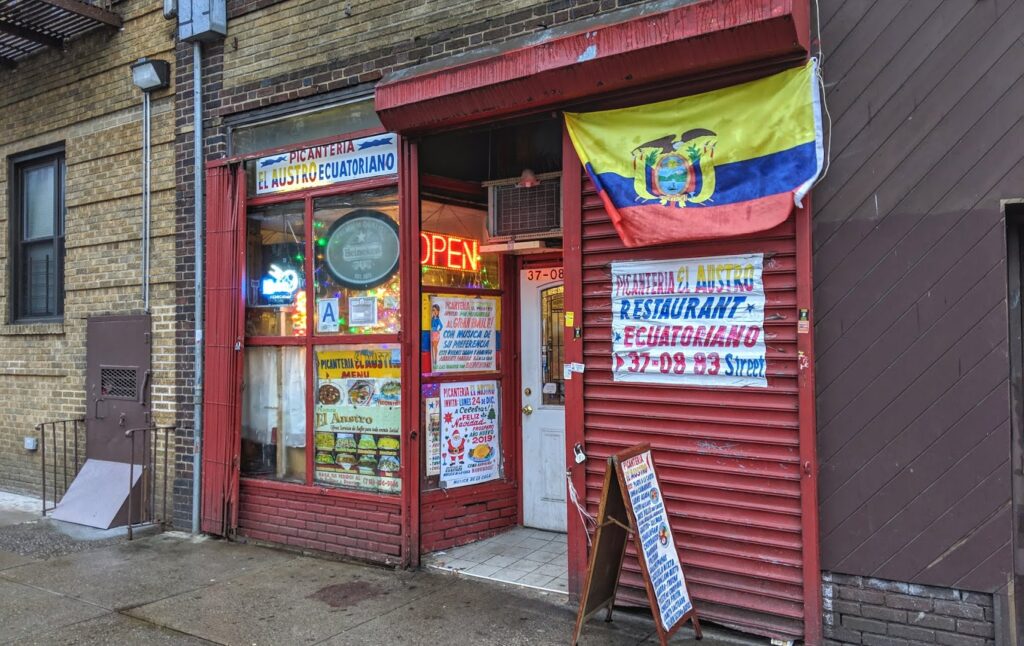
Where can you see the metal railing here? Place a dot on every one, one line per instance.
(57, 473)
(155, 440)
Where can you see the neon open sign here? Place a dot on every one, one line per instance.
(449, 252)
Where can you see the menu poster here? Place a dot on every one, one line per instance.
(358, 418)
(658, 550)
(463, 334)
(470, 446)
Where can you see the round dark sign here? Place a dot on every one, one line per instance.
(362, 249)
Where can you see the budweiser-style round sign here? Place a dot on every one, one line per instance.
(362, 249)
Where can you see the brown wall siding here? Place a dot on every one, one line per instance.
(910, 288)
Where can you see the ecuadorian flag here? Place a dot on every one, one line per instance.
(723, 163)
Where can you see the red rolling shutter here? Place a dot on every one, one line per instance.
(225, 216)
(729, 458)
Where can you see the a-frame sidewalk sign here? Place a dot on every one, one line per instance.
(632, 508)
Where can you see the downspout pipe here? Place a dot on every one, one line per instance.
(146, 198)
(197, 370)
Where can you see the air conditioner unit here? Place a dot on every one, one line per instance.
(518, 214)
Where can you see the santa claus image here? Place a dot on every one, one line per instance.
(456, 448)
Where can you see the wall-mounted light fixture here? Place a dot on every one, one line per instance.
(149, 75)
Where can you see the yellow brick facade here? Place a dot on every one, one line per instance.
(84, 98)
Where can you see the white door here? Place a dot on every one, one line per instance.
(543, 398)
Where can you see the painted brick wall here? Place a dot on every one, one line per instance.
(451, 520)
(280, 50)
(321, 521)
(876, 612)
(84, 98)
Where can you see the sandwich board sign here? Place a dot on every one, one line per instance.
(632, 508)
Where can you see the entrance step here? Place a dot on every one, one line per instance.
(530, 558)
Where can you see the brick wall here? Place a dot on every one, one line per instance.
(320, 520)
(84, 98)
(280, 50)
(876, 612)
(452, 519)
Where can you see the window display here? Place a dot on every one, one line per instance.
(357, 417)
(274, 413)
(275, 270)
(450, 255)
(356, 263)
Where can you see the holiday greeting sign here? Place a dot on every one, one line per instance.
(470, 444)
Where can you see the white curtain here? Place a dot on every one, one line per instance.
(274, 394)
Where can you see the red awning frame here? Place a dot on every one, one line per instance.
(592, 57)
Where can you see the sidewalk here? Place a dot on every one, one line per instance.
(176, 589)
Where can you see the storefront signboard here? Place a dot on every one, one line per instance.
(326, 164)
(470, 443)
(463, 334)
(358, 418)
(655, 536)
(361, 250)
(690, 322)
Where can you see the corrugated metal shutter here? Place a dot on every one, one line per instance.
(728, 459)
(225, 214)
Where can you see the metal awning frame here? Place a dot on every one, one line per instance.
(30, 26)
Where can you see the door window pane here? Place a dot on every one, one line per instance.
(275, 270)
(552, 354)
(357, 413)
(356, 263)
(40, 201)
(274, 413)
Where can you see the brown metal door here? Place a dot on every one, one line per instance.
(118, 371)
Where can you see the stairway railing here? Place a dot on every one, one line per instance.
(57, 473)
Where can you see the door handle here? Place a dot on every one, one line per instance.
(527, 410)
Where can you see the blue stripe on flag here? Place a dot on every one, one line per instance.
(741, 181)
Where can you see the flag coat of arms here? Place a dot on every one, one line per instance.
(723, 163)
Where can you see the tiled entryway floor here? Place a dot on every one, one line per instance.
(523, 556)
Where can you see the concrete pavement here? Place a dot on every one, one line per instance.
(60, 585)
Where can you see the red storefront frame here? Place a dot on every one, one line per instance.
(710, 44)
(306, 515)
(719, 42)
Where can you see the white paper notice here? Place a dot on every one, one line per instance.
(362, 311)
(327, 315)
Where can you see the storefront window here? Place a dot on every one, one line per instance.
(274, 413)
(318, 124)
(450, 253)
(357, 413)
(275, 295)
(356, 263)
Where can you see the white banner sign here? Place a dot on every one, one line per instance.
(470, 446)
(690, 322)
(341, 161)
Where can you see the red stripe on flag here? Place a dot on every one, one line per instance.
(640, 226)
